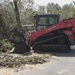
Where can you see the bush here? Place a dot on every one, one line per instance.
(5, 45)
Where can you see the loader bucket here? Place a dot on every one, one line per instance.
(19, 41)
(21, 48)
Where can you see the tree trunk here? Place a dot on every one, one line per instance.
(17, 13)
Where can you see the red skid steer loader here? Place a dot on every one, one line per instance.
(50, 34)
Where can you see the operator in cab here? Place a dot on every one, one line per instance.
(48, 22)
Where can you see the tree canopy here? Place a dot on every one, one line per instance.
(20, 12)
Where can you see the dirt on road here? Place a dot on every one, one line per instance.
(10, 62)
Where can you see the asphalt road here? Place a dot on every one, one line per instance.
(61, 64)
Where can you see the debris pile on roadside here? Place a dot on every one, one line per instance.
(16, 60)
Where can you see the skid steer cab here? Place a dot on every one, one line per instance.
(46, 20)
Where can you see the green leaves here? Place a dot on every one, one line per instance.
(5, 45)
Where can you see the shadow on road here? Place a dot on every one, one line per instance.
(61, 53)
(65, 54)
